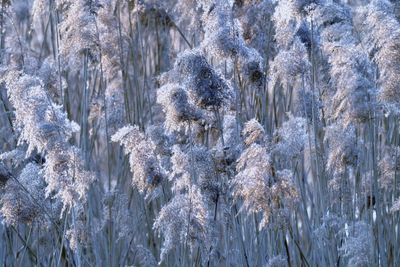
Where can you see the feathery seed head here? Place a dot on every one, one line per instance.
(253, 132)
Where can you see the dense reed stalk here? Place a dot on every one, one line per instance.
(199, 133)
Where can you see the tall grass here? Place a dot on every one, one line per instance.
(199, 133)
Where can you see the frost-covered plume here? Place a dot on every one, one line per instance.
(351, 72)
(108, 35)
(163, 144)
(17, 158)
(185, 219)
(357, 246)
(389, 167)
(191, 94)
(253, 132)
(65, 175)
(291, 68)
(50, 77)
(204, 85)
(45, 127)
(331, 225)
(285, 196)
(145, 167)
(195, 166)
(177, 107)
(110, 46)
(256, 182)
(231, 130)
(260, 190)
(291, 138)
(78, 233)
(343, 152)
(24, 199)
(289, 22)
(254, 18)
(158, 136)
(77, 32)
(380, 35)
(395, 206)
(205, 171)
(343, 144)
(223, 39)
(229, 145)
(182, 170)
(44, 123)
